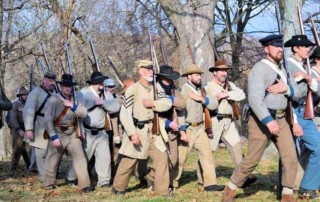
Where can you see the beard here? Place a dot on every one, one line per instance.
(149, 79)
(196, 83)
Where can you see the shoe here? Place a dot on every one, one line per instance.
(287, 198)
(214, 188)
(118, 193)
(106, 185)
(150, 183)
(228, 195)
(143, 183)
(50, 187)
(308, 194)
(249, 181)
(86, 189)
(71, 182)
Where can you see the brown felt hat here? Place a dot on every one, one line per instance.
(219, 65)
(192, 69)
(22, 91)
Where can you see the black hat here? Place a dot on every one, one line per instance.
(298, 40)
(49, 75)
(316, 53)
(96, 78)
(167, 72)
(22, 91)
(67, 80)
(273, 40)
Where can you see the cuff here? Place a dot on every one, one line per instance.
(206, 102)
(168, 121)
(54, 137)
(171, 98)
(290, 91)
(74, 107)
(183, 127)
(267, 120)
(314, 85)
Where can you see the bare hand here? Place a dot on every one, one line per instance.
(98, 101)
(68, 103)
(222, 95)
(278, 88)
(273, 127)
(303, 75)
(174, 125)
(297, 130)
(196, 97)
(56, 143)
(135, 139)
(147, 103)
(21, 133)
(183, 136)
(29, 134)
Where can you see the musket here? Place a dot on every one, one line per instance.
(31, 77)
(118, 76)
(79, 127)
(96, 68)
(41, 66)
(62, 67)
(314, 31)
(56, 87)
(309, 108)
(156, 124)
(234, 105)
(207, 117)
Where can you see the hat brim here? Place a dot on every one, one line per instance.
(191, 72)
(22, 94)
(291, 43)
(174, 76)
(67, 83)
(97, 81)
(211, 69)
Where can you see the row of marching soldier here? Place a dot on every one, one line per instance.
(50, 124)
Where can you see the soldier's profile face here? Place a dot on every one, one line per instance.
(302, 51)
(111, 89)
(49, 83)
(221, 75)
(146, 73)
(24, 97)
(195, 79)
(274, 53)
(66, 90)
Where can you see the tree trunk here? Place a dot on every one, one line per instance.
(194, 24)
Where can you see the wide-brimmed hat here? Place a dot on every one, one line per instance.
(192, 69)
(219, 65)
(298, 40)
(96, 78)
(126, 84)
(50, 75)
(273, 40)
(167, 72)
(315, 53)
(67, 80)
(22, 91)
(109, 82)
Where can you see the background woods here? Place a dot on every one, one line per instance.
(119, 30)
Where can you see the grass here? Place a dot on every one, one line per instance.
(25, 186)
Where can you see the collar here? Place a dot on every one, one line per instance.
(193, 86)
(148, 87)
(94, 91)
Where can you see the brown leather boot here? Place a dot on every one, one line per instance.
(228, 195)
(288, 198)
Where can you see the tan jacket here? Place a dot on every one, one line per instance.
(33, 103)
(132, 107)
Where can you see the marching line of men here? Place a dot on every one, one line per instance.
(50, 125)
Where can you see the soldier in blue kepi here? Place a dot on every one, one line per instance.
(268, 93)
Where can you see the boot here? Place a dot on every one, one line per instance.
(228, 195)
(288, 198)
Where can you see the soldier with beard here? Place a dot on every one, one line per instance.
(18, 130)
(192, 128)
(33, 117)
(136, 115)
(268, 93)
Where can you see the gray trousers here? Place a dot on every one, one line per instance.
(97, 145)
(40, 160)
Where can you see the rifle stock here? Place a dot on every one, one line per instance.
(309, 108)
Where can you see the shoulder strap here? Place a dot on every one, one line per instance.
(60, 117)
(38, 112)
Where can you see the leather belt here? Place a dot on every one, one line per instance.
(94, 131)
(279, 113)
(195, 124)
(140, 124)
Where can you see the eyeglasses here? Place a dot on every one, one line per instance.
(110, 86)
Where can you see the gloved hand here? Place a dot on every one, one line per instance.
(116, 140)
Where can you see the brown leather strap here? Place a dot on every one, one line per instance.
(60, 117)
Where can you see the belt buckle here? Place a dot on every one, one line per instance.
(194, 124)
(279, 112)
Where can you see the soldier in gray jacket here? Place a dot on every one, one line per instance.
(268, 93)
(61, 114)
(33, 117)
(96, 140)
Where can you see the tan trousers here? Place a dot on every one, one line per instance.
(79, 161)
(258, 139)
(160, 166)
(198, 139)
(173, 160)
